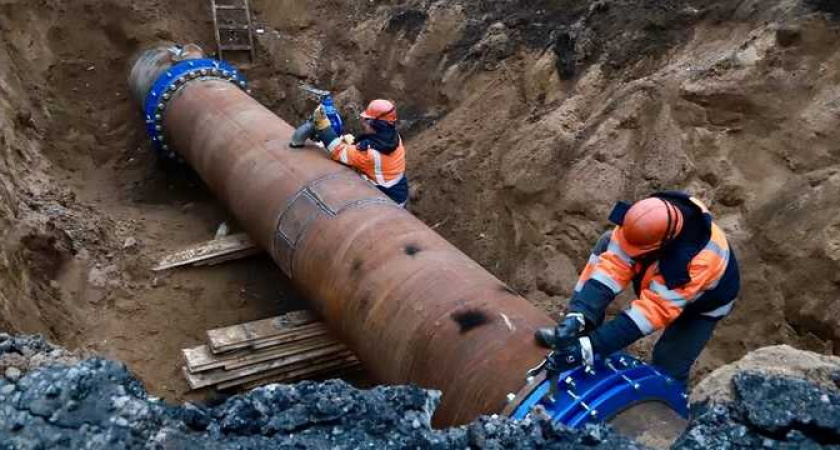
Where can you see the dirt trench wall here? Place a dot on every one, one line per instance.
(527, 121)
(32, 248)
(64, 109)
(86, 209)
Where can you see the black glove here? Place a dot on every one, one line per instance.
(570, 353)
(572, 326)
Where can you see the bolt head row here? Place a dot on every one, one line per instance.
(183, 79)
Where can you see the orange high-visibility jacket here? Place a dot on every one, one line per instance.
(385, 170)
(658, 305)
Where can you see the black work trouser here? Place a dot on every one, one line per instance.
(680, 344)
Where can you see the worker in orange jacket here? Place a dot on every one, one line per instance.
(683, 271)
(378, 154)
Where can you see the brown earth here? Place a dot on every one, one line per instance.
(87, 210)
(777, 360)
(524, 122)
(527, 120)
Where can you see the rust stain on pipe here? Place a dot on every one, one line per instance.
(413, 307)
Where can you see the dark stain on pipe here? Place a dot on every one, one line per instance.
(356, 267)
(411, 249)
(470, 319)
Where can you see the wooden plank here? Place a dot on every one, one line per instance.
(278, 341)
(242, 254)
(283, 370)
(307, 368)
(218, 376)
(279, 352)
(284, 340)
(261, 330)
(324, 370)
(236, 245)
(201, 358)
(243, 335)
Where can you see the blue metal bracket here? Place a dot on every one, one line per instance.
(173, 79)
(598, 393)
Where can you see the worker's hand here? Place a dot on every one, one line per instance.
(320, 119)
(572, 326)
(348, 139)
(569, 354)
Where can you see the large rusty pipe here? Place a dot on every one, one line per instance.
(411, 306)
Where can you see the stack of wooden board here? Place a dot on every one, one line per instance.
(281, 349)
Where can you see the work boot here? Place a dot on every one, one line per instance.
(572, 326)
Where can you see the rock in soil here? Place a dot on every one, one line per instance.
(768, 412)
(98, 404)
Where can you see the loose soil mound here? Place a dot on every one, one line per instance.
(98, 404)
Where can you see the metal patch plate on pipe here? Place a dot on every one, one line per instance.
(335, 193)
(322, 198)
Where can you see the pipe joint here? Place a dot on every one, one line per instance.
(173, 80)
(591, 395)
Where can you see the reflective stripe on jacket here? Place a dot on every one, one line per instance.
(657, 304)
(381, 169)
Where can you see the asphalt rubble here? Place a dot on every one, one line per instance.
(98, 404)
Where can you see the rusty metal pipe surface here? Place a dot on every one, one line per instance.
(411, 306)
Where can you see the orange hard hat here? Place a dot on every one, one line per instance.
(648, 224)
(381, 110)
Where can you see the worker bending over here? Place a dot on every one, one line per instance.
(378, 154)
(682, 269)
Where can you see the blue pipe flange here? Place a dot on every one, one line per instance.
(170, 82)
(599, 393)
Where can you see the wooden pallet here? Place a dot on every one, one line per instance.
(233, 27)
(281, 349)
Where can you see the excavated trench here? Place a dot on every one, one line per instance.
(92, 208)
(524, 122)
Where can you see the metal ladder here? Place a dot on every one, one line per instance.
(230, 29)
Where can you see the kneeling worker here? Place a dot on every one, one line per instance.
(682, 269)
(378, 154)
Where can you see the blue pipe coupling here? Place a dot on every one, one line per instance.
(598, 393)
(170, 75)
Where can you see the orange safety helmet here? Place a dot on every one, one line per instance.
(381, 110)
(648, 224)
